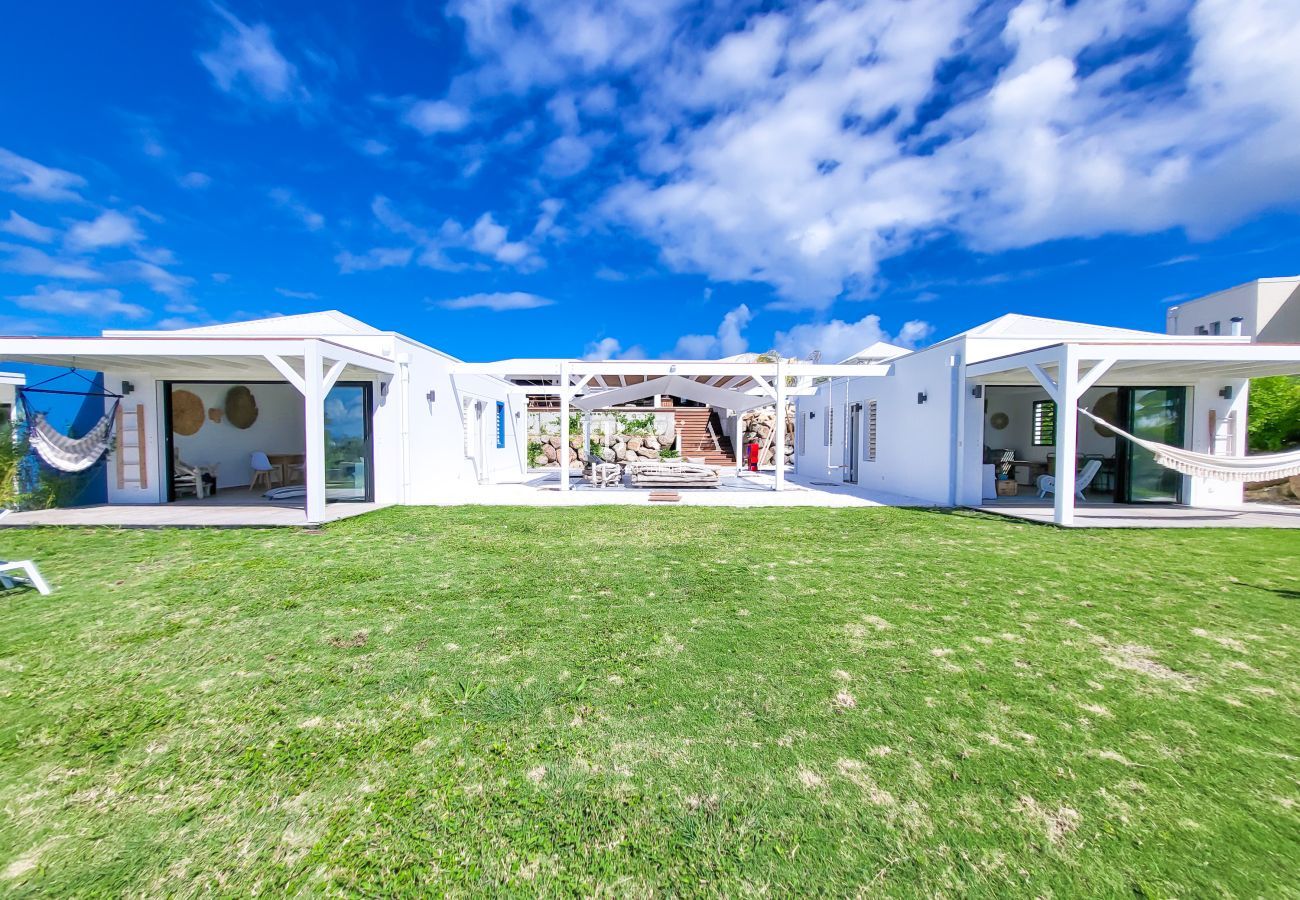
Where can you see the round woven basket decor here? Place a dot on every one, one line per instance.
(1107, 407)
(187, 412)
(241, 408)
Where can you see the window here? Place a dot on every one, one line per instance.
(828, 428)
(501, 425)
(1216, 328)
(1201, 329)
(803, 434)
(869, 445)
(1044, 423)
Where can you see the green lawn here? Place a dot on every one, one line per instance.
(632, 702)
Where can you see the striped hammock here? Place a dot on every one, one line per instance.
(1205, 465)
(69, 454)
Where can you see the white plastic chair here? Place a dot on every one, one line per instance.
(31, 576)
(263, 471)
(1047, 483)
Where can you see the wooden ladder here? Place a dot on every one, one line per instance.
(130, 443)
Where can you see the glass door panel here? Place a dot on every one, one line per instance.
(1154, 414)
(348, 446)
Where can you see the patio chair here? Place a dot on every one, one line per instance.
(30, 576)
(1047, 483)
(263, 472)
(601, 474)
(187, 479)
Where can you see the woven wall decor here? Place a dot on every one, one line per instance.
(999, 420)
(187, 413)
(1106, 408)
(241, 408)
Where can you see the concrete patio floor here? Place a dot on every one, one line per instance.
(746, 490)
(229, 508)
(1123, 515)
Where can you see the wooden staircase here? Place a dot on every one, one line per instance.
(693, 438)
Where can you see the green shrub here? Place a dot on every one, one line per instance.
(1273, 420)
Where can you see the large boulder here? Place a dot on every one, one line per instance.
(634, 443)
(548, 450)
(607, 454)
(666, 438)
(648, 453)
(575, 442)
(652, 443)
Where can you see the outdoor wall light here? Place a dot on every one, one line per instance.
(431, 396)
(812, 415)
(921, 397)
(977, 391)
(1226, 393)
(127, 388)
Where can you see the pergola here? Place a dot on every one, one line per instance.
(737, 386)
(1065, 371)
(312, 365)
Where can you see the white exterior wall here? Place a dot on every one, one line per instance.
(1269, 308)
(1203, 396)
(147, 393)
(914, 446)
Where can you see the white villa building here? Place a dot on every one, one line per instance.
(367, 418)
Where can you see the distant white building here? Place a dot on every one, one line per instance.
(1267, 310)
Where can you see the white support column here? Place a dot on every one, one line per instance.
(563, 456)
(586, 434)
(779, 424)
(737, 446)
(1067, 433)
(314, 432)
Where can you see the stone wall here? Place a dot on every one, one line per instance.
(758, 424)
(620, 447)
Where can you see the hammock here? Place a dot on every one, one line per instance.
(1205, 465)
(70, 454)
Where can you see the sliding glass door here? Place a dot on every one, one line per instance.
(1154, 414)
(349, 450)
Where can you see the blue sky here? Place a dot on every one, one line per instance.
(642, 177)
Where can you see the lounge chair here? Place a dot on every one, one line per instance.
(654, 473)
(1047, 483)
(30, 576)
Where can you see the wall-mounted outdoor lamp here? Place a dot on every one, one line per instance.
(431, 396)
(921, 397)
(812, 415)
(1226, 393)
(127, 388)
(977, 391)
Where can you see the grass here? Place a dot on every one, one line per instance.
(688, 701)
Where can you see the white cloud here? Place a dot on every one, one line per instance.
(491, 239)
(297, 295)
(800, 149)
(246, 62)
(99, 304)
(837, 340)
(160, 280)
(436, 117)
(287, 200)
(195, 181)
(30, 261)
(498, 302)
(221, 277)
(611, 348)
(727, 341)
(372, 147)
(26, 228)
(373, 259)
(22, 176)
(108, 229)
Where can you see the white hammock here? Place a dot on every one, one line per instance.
(69, 454)
(1205, 465)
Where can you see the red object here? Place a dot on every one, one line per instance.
(751, 454)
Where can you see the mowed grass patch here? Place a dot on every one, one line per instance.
(682, 701)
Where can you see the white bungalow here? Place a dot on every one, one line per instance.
(948, 420)
(349, 417)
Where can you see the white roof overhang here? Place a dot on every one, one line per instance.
(543, 376)
(190, 358)
(1144, 364)
(677, 386)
